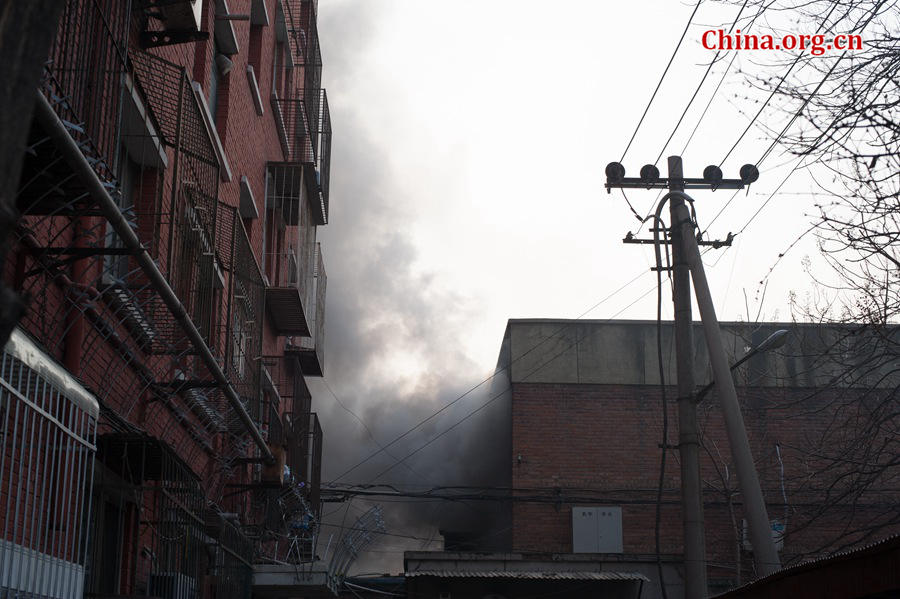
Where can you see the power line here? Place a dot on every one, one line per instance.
(366, 427)
(699, 86)
(661, 79)
(548, 495)
(489, 378)
(407, 488)
(762, 9)
(800, 55)
(712, 97)
(797, 114)
(500, 394)
(800, 110)
(778, 138)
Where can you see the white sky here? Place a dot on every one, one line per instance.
(470, 140)
(495, 120)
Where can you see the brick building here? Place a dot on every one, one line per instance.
(585, 449)
(158, 434)
(587, 419)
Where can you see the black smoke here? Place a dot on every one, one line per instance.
(395, 338)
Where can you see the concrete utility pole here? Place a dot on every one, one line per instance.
(687, 264)
(765, 555)
(695, 584)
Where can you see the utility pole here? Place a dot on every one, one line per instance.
(695, 585)
(765, 555)
(687, 265)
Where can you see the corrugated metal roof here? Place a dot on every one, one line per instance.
(886, 544)
(529, 575)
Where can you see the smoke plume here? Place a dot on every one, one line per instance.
(395, 336)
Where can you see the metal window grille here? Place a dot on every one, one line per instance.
(312, 348)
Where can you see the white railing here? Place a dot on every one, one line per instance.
(48, 427)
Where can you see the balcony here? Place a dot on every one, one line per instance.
(310, 349)
(287, 294)
(304, 454)
(304, 129)
(49, 424)
(241, 330)
(287, 380)
(289, 252)
(82, 79)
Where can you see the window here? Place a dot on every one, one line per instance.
(116, 266)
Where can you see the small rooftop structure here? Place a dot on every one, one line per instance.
(476, 575)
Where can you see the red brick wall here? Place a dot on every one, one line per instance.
(604, 440)
(114, 364)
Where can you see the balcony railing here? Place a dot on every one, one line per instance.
(287, 297)
(84, 74)
(311, 349)
(177, 213)
(323, 158)
(304, 128)
(49, 425)
(301, 22)
(244, 305)
(125, 130)
(295, 129)
(304, 457)
(170, 520)
(287, 378)
(290, 251)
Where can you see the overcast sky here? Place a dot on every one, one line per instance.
(470, 140)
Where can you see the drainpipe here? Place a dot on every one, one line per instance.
(70, 150)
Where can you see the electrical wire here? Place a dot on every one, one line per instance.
(661, 79)
(799, 163)
(796, 61)
(800, 110)
(784, 130)
(700, 85)
(366, 427)
(712, 97)
(501, 393)
(487, 379)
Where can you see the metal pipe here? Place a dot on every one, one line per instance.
(765, 555)
(64, 142)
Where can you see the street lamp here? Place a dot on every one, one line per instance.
(773, 341)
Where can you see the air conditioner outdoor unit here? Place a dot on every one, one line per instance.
(187, 14)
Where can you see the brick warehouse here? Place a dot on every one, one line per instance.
(584, 467)
(586, 414)
(158, 434)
